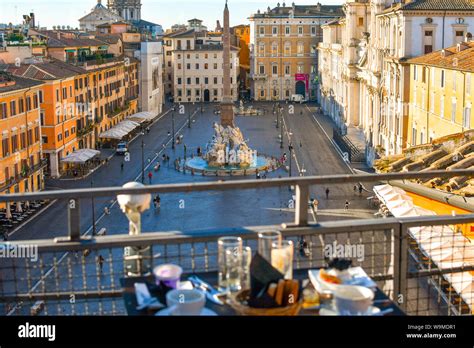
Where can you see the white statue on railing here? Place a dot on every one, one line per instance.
(137, 259)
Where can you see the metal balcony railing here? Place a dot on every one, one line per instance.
(67, 279)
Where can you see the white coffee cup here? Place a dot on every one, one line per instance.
(185, 302)
(353, 299)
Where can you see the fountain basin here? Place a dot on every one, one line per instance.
(201, 166)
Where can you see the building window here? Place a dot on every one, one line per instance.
(215, 66)
(442, 78)
(261, 69)
(13, 108)
(274, 30)
(188, 66)
(5, 147)
(21, 105)
(206, 66)
(188, 80)
(429, 33)
(466, 121)
(300, 30)
(261, 49)
(459, 33)
(287, 49)
(287, 70)
(287, 30)
(14, 143)
(197, 81)
(415, 73)
(40, 94)
(413, 137)
(454, 81)
(275, 69)
(197, 66)
(453, 111)
(428, 49)
(300, 48)
(179, 80)
(360, 21)
(261, 30)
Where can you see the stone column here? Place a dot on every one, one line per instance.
(227, 106)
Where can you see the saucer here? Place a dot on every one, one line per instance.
(329, 312)
(204, 312)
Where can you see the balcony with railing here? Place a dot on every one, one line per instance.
(67, 265)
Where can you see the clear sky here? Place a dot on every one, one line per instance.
(164, 12)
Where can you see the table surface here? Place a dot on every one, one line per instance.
(383, 302)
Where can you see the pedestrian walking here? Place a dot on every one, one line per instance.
(100, 262)
(327, 192)
(150, 176)
(106, 211)
(346, 205)
(355, 189)
(361, 188)
(5, 236)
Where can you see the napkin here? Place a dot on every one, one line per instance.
(262, 273)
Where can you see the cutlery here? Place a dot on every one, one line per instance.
(211, 293)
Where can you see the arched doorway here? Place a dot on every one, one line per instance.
(207, 95)
(300, 88)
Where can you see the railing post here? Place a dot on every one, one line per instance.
(74, 219)
(400, 272)
(301, 208)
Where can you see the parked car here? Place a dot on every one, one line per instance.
(122, 148)
(298, 98)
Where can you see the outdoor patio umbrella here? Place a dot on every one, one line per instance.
(426, 232)
(8, 213)
(383, 190)
(19, 209)
(413, 211)
(400, 202)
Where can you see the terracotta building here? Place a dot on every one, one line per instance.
(21, 165)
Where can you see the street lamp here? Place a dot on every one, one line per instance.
(93, 213)
(143, 161)
(202, 100)
(290, 148)
(281, 128)
(172, 126)
(189, 118)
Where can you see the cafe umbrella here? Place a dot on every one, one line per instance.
(8, 213)
(19, 208)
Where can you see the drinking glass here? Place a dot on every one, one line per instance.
(229, 259)
(246, 260)
(265, 242)
(282, 258)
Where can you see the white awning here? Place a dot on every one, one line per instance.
(141, 117)
(120, 130)
(80, 156)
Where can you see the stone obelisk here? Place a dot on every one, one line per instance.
(227, 105)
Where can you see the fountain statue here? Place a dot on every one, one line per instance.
(228, 148)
